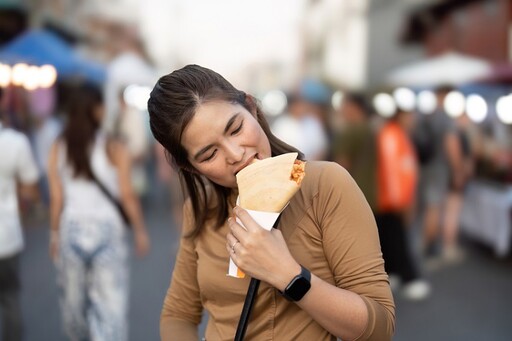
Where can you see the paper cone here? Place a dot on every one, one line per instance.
(265, 220)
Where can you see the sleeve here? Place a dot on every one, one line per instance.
(26, 168)
(352, 248)
(182, 308)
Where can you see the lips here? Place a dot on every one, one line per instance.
(246, 163)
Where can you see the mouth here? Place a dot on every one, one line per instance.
(247, 163)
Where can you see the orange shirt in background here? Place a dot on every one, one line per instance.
(397, 169)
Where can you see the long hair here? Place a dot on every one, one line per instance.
(172, 105)
(81, 126)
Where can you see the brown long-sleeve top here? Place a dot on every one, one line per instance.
(329, 229)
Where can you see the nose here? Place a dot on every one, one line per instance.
(234, 153)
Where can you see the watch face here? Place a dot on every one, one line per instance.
(298, 288)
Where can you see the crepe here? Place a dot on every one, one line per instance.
(268, 185)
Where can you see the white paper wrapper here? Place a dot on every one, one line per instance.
(265, 220)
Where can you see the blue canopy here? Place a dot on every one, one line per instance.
(39, 47)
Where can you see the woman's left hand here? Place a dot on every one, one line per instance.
(260, 253)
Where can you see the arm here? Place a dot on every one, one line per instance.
(182, 308)
(359, 306)
(453, 151)
(56, 199)
(121, 160)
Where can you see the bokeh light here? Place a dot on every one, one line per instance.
(427, 102)
(405, 99)
(476, 108)
(274, 102)
(384, 104)
(504, 109)
(47, 76)
(19, 72)
(5, 75)
(31, 78)
(454, 104)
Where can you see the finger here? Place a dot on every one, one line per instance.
(246, 219)
(237, 230)
(231, 239)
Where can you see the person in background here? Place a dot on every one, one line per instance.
(451, 251)
(18, 180)
(303, 126)
(321, 270)
(354, 146)
(88, 239)
(440, 156)
(397, 170)
(131, 130)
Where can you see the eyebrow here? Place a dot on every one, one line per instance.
(226, 129)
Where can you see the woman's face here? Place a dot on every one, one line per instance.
(221, 139)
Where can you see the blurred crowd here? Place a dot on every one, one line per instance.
(413, 167)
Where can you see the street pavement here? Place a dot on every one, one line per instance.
(471, 300)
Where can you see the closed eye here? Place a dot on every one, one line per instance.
(211, 156)
(237, 130)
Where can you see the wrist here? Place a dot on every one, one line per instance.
(287, 274)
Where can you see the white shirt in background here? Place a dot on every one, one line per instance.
(17, 164)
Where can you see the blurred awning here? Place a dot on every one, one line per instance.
(446, 69)
(40, 47)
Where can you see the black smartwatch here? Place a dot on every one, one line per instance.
(298, 286)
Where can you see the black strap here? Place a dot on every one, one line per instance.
(114, 200)
(252, 291)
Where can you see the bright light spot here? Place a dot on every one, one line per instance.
(31, 79)
(427, 102)
(504, 109)
(384, 105)
(19, 72)
(274, 102)
(476, 108)
(137, 96)
(5, 75)
(454, 104)
(336, 100)
(405, 99)
(47, 76)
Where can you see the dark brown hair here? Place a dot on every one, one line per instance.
(172, 104)
(81, 126)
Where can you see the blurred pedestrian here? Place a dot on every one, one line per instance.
(354, 146)
(18, 180)
(397, 184)
(303, 125)
(321, 270)
(439, 151)
(131, 129)
(87, 173)
(451, 251)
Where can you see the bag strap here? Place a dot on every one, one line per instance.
(114, 200)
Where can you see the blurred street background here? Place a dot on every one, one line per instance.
(331, 75)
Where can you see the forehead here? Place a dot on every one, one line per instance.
(208, 122)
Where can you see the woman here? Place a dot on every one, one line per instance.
(211, 131)
(88, 235)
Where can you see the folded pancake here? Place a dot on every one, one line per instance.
(269, 184)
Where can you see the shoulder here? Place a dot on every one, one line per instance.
(323, 174)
